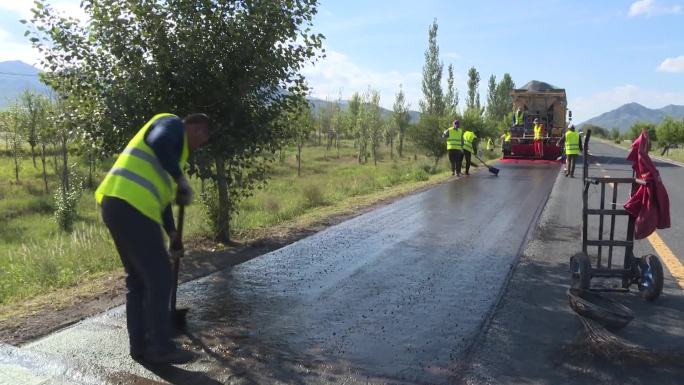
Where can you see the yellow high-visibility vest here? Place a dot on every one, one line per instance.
(138, 177)
(537, 131)
(468, 139)
(519, 118)
(572, 143)
(507, 137)
(455, 139)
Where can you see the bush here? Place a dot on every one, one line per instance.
(66, 201)
(313, 195)
(420, 175)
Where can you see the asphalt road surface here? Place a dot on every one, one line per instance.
(395, 295)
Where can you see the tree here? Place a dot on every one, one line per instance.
(492, 99)
(374, 122)
(302, 126)
(615, 133)
(12, 124)
(638, 127)
(504, 98)
(473, 99)
(670, 131)
(400, 118)
(433, 99)
(427, 135)
(451, 97)
(32, 105)
(237, 61)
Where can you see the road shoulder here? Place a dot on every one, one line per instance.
(530, 339)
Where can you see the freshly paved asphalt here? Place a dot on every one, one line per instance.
(395, 295)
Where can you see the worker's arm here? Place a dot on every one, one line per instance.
(445, 133)
(580, 146)
(167, 221)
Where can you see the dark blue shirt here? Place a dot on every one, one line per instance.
(165, 138)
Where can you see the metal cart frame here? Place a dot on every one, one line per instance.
(645, 272)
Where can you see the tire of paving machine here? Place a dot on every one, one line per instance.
(580, 271)
(651, 277)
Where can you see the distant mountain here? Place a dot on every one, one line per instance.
(15, 77)
(625, 116)
(320, 103)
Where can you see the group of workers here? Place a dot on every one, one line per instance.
(461, 143)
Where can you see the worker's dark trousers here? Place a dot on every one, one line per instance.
(140, 244)
(456, 158)
(467, 155)
(570, 164)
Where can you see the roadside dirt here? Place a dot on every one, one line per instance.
(23, 322)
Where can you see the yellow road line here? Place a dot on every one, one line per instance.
(667, 256)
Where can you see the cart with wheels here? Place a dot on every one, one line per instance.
(646, 273)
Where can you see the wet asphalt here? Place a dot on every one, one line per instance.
(397, 295)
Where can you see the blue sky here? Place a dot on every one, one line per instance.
(604, 53)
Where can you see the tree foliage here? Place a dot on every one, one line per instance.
(473, 98)
(400, 118)
(237, 61)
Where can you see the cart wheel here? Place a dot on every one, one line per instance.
(580, 270)
(651, 277)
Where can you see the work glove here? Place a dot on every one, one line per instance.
(184, 192)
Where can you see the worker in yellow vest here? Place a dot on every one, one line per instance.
(573, 147)
(490, 145)
(519, 117)
(538, 129)
(469, 148)
(506, 141)
(454, 143)
(136, 197)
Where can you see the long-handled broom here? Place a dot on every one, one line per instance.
(493, 170)
(178, 314)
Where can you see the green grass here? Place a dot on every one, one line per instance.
(36, 258)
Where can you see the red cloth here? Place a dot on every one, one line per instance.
(650, 204)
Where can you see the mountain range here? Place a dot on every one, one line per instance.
(15, 77)
(626, 115)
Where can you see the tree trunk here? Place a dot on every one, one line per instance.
(375, 156)
(91, 167)
(33, 154)
(391, 147)
(43, 161)
(65, 169)
(299, 159)
(55, 158)
(337, 143)
(401, 144)
(223, 214)
(16, 166)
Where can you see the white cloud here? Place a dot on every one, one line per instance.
(587, 107)
(23, 7)
(337, 73)
(652, 8)
(451, 55)
(14, 49)
(672, 65)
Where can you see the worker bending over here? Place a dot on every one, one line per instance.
(454, 143)
(136, 197)
(469, 148)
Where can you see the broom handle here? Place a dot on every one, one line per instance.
(176, 257)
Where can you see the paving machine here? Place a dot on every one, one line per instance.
(548, 104)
